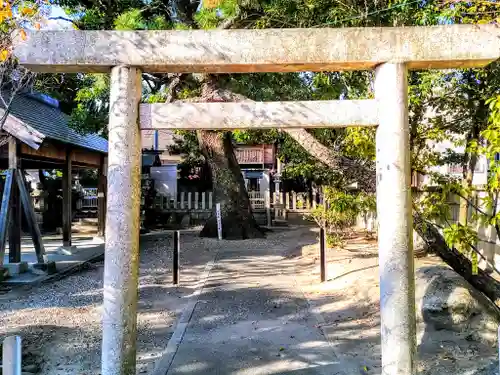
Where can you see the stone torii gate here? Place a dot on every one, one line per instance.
(391, 52)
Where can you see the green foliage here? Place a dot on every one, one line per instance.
(461, 107)
(340, 212)
(460, 237)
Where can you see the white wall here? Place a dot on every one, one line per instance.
(480, 175)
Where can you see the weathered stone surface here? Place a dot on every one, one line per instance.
(121, 266)
(259, 115)
(446, 301)
(395, 244)
(270, 50)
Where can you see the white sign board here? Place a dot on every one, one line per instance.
(219, 220)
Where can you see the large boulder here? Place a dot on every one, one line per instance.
(457, 325)
(446, 301)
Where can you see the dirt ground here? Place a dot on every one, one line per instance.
(348, 304)
(60, 322)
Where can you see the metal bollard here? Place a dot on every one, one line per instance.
(322, 255)
(177, 248)
(11, 356)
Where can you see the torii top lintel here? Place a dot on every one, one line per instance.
(268, 50)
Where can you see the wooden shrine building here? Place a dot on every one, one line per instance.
(36, 135)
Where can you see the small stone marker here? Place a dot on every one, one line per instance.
(219, 221)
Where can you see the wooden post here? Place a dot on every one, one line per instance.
(196, 198)
(203, 200)
(394, 205)
(314, 203)
(287, 197)
(101, 197)
(322, 253)
(15, 225)
(175, 258)
(283, 206)
(182, 201)
(294, 200)
(5, 212)
(210, 200)
(29, 213)
(121, 266)
(66, 195)
(276, 199)
(267, 201)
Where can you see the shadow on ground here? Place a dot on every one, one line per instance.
(251, 318)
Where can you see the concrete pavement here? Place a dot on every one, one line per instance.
(251, 319)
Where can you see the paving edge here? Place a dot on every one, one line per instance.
(162, 366)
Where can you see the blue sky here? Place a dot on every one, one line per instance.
(56, 11)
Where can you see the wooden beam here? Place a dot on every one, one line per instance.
(259, 115)
(23, 132)
(16, 221)
(66, 195)
(29, 212)
(5, 211)
(56, 151)
(268, 50)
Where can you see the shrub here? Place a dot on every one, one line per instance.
(339, 212)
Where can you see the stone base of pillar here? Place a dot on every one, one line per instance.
(16, 268)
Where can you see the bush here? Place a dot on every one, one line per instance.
(339, 214)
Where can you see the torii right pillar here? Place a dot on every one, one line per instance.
(394, 213)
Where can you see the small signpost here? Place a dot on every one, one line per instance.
(219, 221)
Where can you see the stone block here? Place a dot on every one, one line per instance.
(16, 268)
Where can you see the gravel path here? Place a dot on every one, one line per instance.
(60, 322)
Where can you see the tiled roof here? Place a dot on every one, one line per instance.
(53, 123)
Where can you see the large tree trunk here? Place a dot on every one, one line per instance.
(229, 188)
(228, 184)
(456, 260)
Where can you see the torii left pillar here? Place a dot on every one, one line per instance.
(121, 265)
